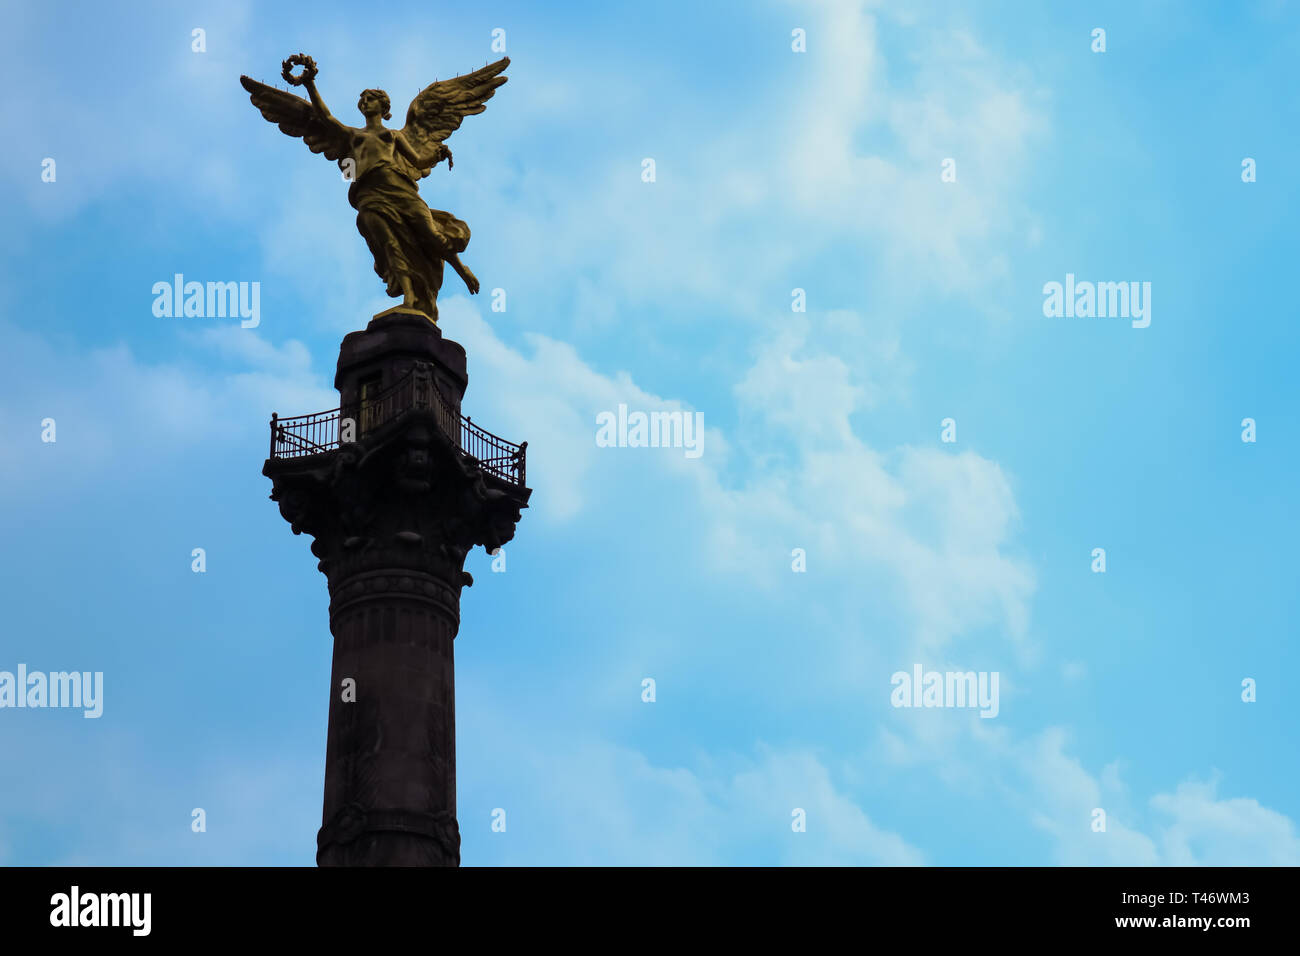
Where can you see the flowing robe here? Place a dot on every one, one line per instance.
(405, 236)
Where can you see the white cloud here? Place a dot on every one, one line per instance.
(1037, 775)
(810, 397)
(864, 158)
(551, 397)
(1206, 830)
(109, 406)
(603, 803)
(1062, 802)
(934, 522)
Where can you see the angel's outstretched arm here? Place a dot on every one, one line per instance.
(319, 104)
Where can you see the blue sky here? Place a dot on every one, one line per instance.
(775, 170)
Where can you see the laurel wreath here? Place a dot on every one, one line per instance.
(308, 69)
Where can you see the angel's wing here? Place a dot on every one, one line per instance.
(295, 116)
(436, 113)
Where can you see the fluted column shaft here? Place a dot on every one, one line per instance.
(390, 764)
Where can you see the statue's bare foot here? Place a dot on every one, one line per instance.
(462, 270)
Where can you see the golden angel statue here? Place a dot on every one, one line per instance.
(409, 241)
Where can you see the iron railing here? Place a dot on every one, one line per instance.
(319, 433)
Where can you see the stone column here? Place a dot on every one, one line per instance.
(394, 508)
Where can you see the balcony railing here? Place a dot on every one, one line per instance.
(319, 433)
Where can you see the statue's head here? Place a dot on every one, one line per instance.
(375, 103)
